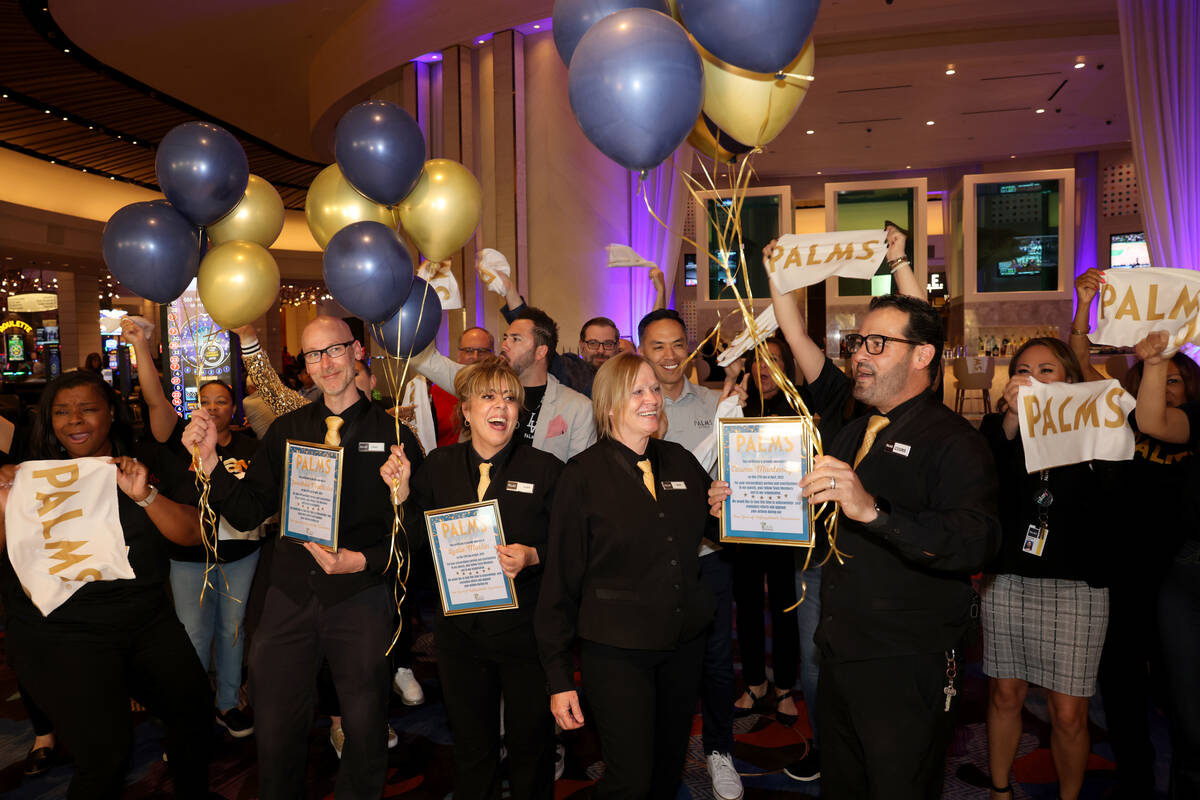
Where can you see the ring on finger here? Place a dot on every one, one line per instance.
(832, 484)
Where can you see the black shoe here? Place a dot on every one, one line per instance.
(236, 722)
(806, 769)
(759, 704)
(39, 762)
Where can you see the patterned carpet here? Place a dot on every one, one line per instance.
(421, 768)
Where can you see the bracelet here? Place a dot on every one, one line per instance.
(1079, 333)
(895, 263)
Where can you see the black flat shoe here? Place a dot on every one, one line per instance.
(758, 703)
(782, 717)
(39, 762)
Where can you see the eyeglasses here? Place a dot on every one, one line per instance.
(874, 342)
(333, 351)
(475, 351)
(596, 344)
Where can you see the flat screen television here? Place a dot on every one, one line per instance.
(689, 269)
(1017, 236)
(1128, 250)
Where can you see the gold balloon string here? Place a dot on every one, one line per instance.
(728, 233)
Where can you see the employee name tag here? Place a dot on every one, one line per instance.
(669, 485)
(899, 448)
(1035, 539)
(517, 486)
(370, 447)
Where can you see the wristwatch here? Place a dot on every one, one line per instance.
(882, 509)
(149, 498)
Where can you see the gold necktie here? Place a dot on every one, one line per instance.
(877, 423)
(647, 476)
(332, 426)
(485, 480)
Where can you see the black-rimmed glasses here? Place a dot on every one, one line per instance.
(875, 342)
(597, 344)
(333, 351)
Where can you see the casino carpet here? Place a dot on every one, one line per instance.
(424, 772)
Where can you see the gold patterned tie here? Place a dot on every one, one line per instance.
(877, 423)
(485, 480)
(333, 424)
(647, 476)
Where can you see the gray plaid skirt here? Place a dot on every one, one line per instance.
(1046, 631)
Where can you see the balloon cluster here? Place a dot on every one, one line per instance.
(646, 75)
(156, 248)
(355, 209)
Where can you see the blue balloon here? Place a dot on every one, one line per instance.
(413, 327)
(573, 18)
(152, 249)
(636, 86)
(380, 149)
(757, 35)
(368, 270)
(202, 170)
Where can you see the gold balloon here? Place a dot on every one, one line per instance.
(706, 143)
(238, 282)
(332, 204)
(442, 211)
(258, 217)
(753, 107)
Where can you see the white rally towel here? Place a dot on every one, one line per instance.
(620, 255)
(64, 529)
(764, 325)
(440, 277)
(1068, 423)
(416, 394)
(1137, 302)
(492, 263)
(801, 260)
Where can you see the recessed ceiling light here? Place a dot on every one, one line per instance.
(928, 122)
(1040, 111)
(908, 166)
(1012, 156)
(1080, 65)
(810, 132)
(950, 70)
(66, 49)
(818, 172)
(537, 27)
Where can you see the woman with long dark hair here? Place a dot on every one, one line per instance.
(113, 639)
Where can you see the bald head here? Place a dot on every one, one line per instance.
(324, 328)
(333, 374)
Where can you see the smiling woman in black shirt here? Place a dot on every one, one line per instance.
(483, 657)
(114, 639)
(622, 577)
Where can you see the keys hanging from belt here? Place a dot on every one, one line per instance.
(951, 674)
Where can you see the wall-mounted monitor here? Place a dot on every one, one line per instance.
(1128, 250)
(1018, 235)
(766, 214)
(871, 205)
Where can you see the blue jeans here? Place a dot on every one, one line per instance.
(1179, 626)
(808, 614)
(216, 624)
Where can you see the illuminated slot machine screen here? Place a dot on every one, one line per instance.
(193, 345)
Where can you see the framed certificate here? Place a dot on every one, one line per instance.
(763, 459)
(312, 486)
(463, 540)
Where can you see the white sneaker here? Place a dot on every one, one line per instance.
(337, 738)
(405, 684)
(393, 737)
(727, 784)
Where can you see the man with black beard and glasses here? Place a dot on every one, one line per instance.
(916, 486)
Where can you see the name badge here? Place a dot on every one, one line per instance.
(899, 448)
(518, 486)
(1035, 539)
(370, 447)
(669, 485)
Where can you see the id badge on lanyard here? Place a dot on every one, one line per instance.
(1036, 535)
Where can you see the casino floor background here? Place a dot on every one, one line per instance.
(763, 748)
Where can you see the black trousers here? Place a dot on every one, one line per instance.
(476, 670)
(751, 564)
(1124, 680)
(716, 683)
(643, 703)
(883, 728)
(327, 699)
(291, 641)
(83, 680)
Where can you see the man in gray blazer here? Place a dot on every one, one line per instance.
(556, 419)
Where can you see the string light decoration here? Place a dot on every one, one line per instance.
(296, 295)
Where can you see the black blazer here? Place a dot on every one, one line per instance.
(447, 479)
(623, 568)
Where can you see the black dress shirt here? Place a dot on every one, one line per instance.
(523, 481)
(365, 510)
(905, 589)
(623, 568)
